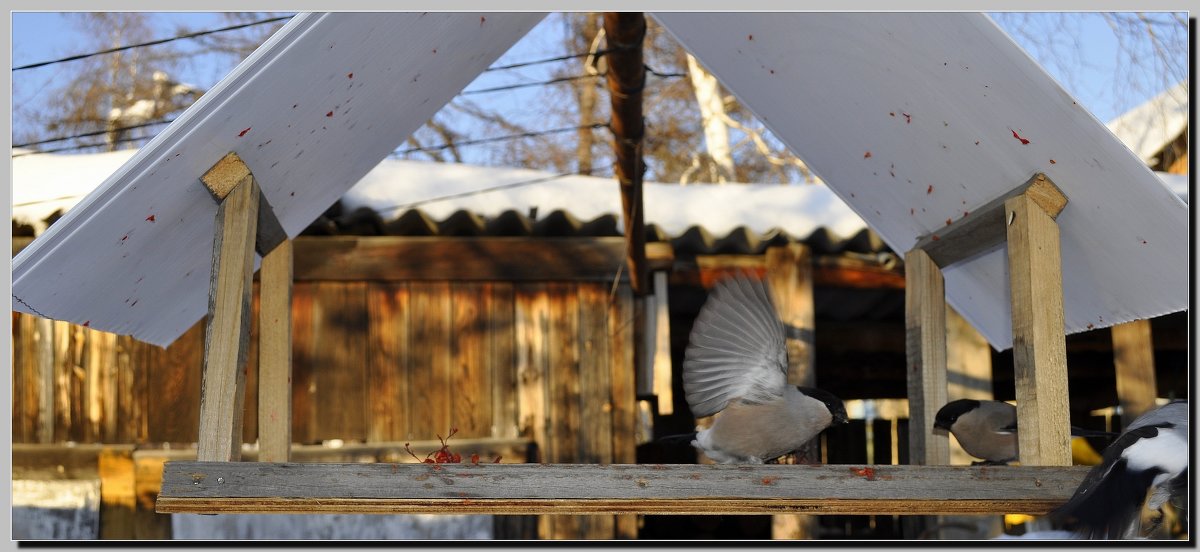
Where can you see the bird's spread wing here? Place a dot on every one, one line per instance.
(736, 349)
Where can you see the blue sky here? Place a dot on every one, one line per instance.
(39, 36)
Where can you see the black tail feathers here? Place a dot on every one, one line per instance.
(678, 439)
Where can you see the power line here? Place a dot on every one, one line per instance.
(532, 134)
(150, 43)
(80, 146)
(597, 53)
(476, 192)
(96, 133)
(528, 84)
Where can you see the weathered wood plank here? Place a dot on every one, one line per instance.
(127, 406)
(387, 369)
(1039, 345)
(229, 487)
(925, 330)
(1133, 358)
(531, 312)
(661, 341)
(117, 498)
(429, 357)
(25, 391)
(175, 381)
(249, 433)
(44, 361)
(304, 366)
(624, 399)
(77, 373)
(275, 354)
(983, 229)
(222, 388)
(64, 376)
(470, 374)
(340, 340)
(595, 435)
(563, 428)
(356, 258)
(148, 524)
(502, 338)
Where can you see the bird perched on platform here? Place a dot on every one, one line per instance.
(988, 429)
(736, 365)
(1150, 456)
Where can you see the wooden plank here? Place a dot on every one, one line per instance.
(93, 391)
(63, 381)
(54, 461)
(78, 386)
(340, 338)
(595, 436)
(661, 358)
(175, 384)
(925, 330)
(983, 229)
(249, 432)
(1133, 357)
(44, 361)
(470, 373)
(19, 243)
(854, 272)
(304, 366)
(1039, 346)
(24, 386)
(531, 308)
(624, 400)
(429, 357)
(127, 429)
(563, 427)
(232, 487)
(275, 354)
(222, 388)
(224, 176)
(387, 369)
(968, 360)
(355, 258)
(502, 339)
(117, 497)
(789, 274)
(148, 472)
(109, 386)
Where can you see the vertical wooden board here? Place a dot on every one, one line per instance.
(388, 365)
(63, 378)
(595, 384)
(303, 363)
(1039, 345)
(624, 400)
(173, 396)
(139, 375)
(110, 387)
(127, 428)
(1133, 358)
(45, 380)
(531, 307)
(502, 338)
(250, 370)
(429, 354)
(563, 431)
(968, 360)
(117, 497)
(471, 385)
(340, 341)
(149, 525)
(925, 337)
(24, 393)
(93, 386)
(274, 373)
(77, 373)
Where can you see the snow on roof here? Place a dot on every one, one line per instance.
(1150, 127)
(915, 119)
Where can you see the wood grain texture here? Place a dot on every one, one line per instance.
(275, 354)
(387, 370)
(1133, 358)
(563, 431)
(430, 362)
(117, 497)
(213, 487)
(1039, 345)
(174, 405)
(63, 378)
(661, 360)
(222, 389)
(340, 355)
(225, 175)
(44, 356)
(595, 436)
(304, 367)
(532, 311)
(925, 335)
(624, 399)
(502, 338)
(983, 229)
(148, 472)
(474, 259)
(470, 369)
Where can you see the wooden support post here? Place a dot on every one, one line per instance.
(789, 274)
(1039, 343)
(624, 33)
(275, 355)
(45, 379)
(925, 331)
(1133, 357)
(660, 339)
(222, 390)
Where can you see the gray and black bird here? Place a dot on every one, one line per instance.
(1149, 458)
(736, 364)
(988, 429)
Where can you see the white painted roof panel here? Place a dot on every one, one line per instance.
(310, 112)
(915, 119)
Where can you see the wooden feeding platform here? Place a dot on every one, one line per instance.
(382, 488)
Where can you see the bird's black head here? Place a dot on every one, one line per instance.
(837, 409)
(950, 413)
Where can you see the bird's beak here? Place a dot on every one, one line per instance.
(937, 426)
(840, 418)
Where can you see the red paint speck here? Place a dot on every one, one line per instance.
(907, 118)
(750, 37)
(965, 213)
(1052, 161)
(869, 473)
(867, 155)
(350, 75)
(912, 211)
(330, 114)
(892, 113)
(150, 218)
(1090, 326)
(929, 190)
(772, 71)
(125, 237)
(1143, 242)
(293, 194)
(481, 20)
(435, 50)
(852, 194)
(948, 221)
(88, 323)
(934, 237)
(243, 133)
(977, 142)
(1018, 137)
